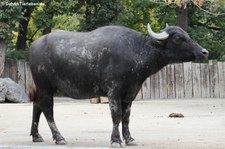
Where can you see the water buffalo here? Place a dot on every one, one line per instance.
(110, 61)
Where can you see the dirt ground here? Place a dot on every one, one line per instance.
(87, 126)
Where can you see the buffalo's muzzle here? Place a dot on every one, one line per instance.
(205, 52)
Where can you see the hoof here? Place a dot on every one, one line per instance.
(117, 145)
(38, 139)
(61, 142)
(130, 142)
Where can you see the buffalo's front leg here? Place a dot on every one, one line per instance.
(126, 108)
(116, 113)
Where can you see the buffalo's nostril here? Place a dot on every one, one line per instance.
(205, 52)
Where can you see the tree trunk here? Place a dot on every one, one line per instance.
(48, 29)
(182, 17)
(23, 27)
(2, 55)
(88, 16)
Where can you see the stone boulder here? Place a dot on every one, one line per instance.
(12, 91)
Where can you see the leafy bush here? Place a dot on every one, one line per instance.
(21, 54)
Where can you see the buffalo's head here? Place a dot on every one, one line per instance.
(178, 46)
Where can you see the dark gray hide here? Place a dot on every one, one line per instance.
(110, 61)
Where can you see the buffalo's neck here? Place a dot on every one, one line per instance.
(153, 60)
(153, 64)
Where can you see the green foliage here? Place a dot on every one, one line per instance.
(217, 6)
(66, 22)
(166, 14)
(12, 53)
(136, 14)
(41, 18)
(98, 13)
(4, 30)
(208, 30)
(54, 14)
(43, 15)
(9, 16)
(85, 15)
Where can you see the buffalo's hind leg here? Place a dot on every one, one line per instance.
(126, 108)
(43, 102)
(35, 121)
(47, 108)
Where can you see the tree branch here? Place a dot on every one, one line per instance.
(32, 36)
(210, 27)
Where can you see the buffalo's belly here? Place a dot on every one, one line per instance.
(79, 89)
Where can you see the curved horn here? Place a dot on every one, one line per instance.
(159, 36)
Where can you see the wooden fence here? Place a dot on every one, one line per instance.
(185, 80)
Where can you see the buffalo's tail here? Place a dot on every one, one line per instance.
(33, 93)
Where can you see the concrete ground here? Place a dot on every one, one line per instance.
(88, 126)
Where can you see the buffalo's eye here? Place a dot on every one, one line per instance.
(177, 39)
